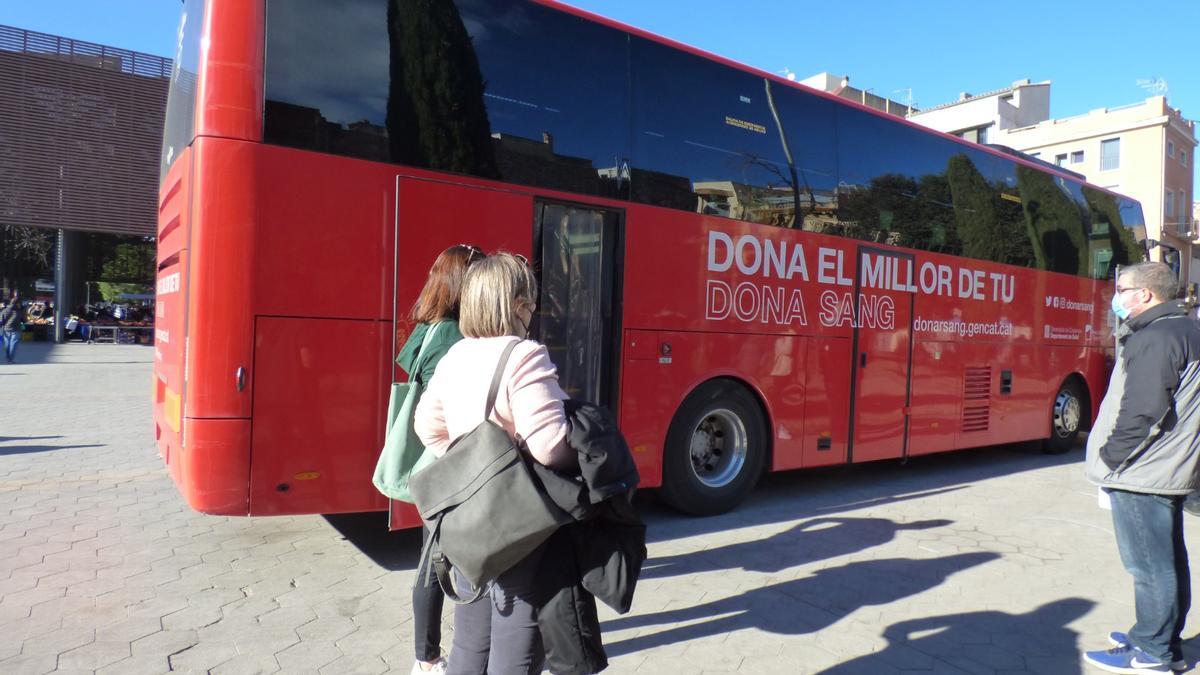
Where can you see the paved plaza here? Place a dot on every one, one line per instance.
(992, 561)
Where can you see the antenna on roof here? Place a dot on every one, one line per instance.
(787, 72)
(907, 91)
(1156, 86)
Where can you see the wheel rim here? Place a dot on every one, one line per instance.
(718, 448)
(1066, 414)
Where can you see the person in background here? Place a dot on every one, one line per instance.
(11, 318)
(498, 634)
(1143, 452)
(436, 306)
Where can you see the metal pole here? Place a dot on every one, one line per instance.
(60, 284)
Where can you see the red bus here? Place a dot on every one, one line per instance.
(755, 276)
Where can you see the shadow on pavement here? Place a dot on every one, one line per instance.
(798, 606)
(1038, 641)
(793, 495)
(28, 449)
(810, 541)
(369, 533)
(9, 439)
(781, 497)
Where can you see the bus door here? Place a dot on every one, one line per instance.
(576, 249)
(430, 216)
(883, 301)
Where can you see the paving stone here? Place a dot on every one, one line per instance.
(33, 663)
(137, 665)
(248, 664)
(314, 654)
(95, 655)
(165, 642)
(128, 630)
(202, 657)
(360, 665)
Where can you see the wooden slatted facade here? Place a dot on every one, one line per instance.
(80, 134)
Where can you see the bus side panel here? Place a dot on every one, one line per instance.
(936, 402)
(1024, 414)
(322, 255)
(213, 473)
(170, 307)
(318, 415)
(653, 387)
(826, 404)
(220, 286)
(1098, 367)
(435, 215)
(230, 99)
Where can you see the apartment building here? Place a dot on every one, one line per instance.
(839, 85)
(1144, 150)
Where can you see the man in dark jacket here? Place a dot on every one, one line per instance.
(1143, 452)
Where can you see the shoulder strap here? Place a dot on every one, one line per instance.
(495, 388)
(428, 336)
(433, 562)
(416, 362)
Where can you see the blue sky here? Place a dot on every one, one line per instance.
(1094, 51)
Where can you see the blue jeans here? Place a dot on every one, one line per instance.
(1149, 531)
(11, 339)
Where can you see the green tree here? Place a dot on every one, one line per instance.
(436, 114)
(989, 226)
(1054, 221)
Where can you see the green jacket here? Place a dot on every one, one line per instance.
(422, 368)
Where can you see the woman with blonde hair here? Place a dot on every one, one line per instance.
(435, 314)
(498, 634)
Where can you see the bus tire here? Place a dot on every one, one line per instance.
(1068, 416)
(716, 447)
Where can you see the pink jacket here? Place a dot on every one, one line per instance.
(529, 403)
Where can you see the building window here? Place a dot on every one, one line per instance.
(1077, 157)
(1183, 157)
(1060, 160)
(1110, 154)
(1170, 148)
(1170, 204)
(977, 135)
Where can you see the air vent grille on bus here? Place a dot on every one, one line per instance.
(977, 399)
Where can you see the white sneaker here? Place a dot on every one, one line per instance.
(438, 668)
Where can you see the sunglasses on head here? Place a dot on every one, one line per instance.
(474, 253)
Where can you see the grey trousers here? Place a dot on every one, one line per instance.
(498, 633)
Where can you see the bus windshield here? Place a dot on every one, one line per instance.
(179, 127)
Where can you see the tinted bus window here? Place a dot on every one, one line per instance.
(706, 139)
(497, 89)
(807, 128)
(987, 207)
(1054, 217)
(179, 126)
(894, 185)
(1116, 232)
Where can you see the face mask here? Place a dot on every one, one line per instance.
(1118, 308)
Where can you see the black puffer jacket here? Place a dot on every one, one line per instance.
(601, 555)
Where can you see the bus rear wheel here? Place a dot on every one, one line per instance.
(1068, 413)
(716, 447)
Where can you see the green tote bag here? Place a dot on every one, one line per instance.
(402, 452)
